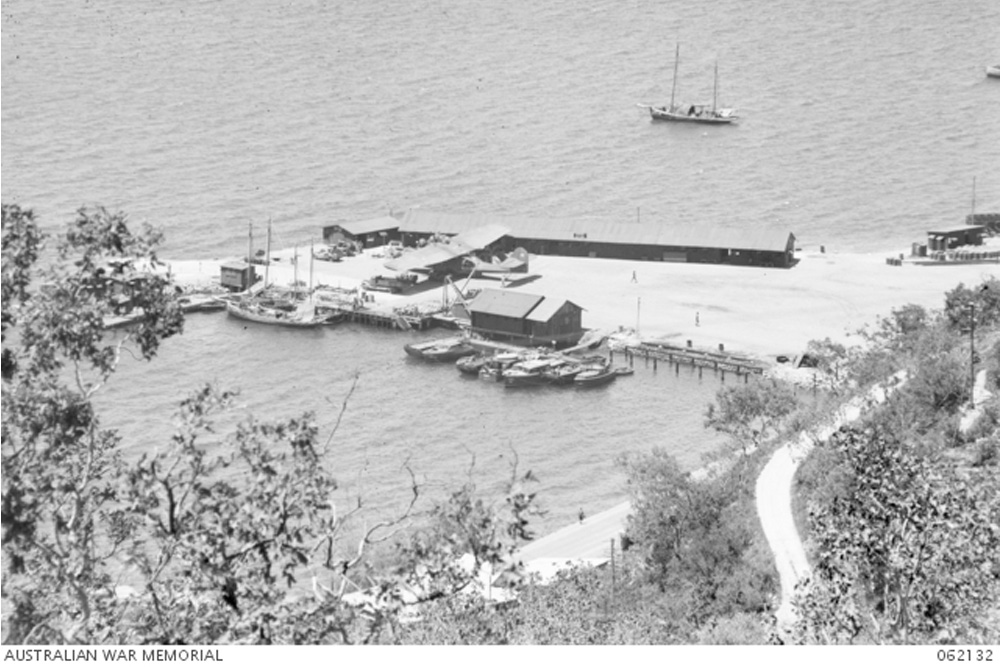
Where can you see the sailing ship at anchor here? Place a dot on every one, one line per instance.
(694, 113)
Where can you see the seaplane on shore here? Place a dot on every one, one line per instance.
(458, 256)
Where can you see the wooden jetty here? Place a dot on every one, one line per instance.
(718, 361)
(389, 320)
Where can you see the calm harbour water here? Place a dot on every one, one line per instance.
(864, 124)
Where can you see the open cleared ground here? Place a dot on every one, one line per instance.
(757, 311)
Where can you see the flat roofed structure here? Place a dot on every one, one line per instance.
(954, 237)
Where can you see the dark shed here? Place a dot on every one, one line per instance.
(236, 276)
(366, 233)
(946, 239)
(526, 319)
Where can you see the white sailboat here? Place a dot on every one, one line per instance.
(254, 306)
(694, 113)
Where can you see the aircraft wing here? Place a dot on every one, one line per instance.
(479, 238)
(440, 253)
(424, 258)
(515, 262)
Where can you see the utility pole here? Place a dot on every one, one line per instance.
(972, 353)
(638, 307)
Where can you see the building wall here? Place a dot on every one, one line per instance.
(652, 253)
(236, 278)
(491, 322)
(335, 234)
(655, 253)
(567, 320)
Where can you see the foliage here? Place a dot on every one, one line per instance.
(907, 551)
(59, 465)
(698, 537)
(985, 299)
(751, 413)
(582, 605)
(831, 359)
(222, 537)
(740, 629)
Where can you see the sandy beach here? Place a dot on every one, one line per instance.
(755, 311)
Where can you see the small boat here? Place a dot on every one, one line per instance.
(694, 113)
(304, 315)
(494, 367)
(527, 373)
(562, 373)
(470, 365)
(993, 71)
(417, 349)
(450, 349)
(594, 377)
(199, 303)
(449, 352)
(624, 370)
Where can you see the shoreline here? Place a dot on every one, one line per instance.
(753, 311)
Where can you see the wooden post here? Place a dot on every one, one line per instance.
(613, 576)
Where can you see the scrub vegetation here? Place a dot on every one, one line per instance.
(248, 546)
(901, 511)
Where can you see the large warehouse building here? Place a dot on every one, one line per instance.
(617, 240)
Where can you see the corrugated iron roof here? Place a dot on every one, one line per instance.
(356, 227)
(504, 303)
(646, 233)
(544, 311)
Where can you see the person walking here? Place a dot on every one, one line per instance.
(697, 319)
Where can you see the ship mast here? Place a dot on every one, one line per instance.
(673, 88)
(267, 253)
(715, 87)
(310, 268)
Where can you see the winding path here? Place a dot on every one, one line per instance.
(774, 498)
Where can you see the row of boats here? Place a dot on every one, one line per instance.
(528, 368)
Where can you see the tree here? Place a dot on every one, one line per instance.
(59, 465)
(831, 359)
(751, 413)
(246, 546)
(985, 298)
(908, 550)
(696, 536)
